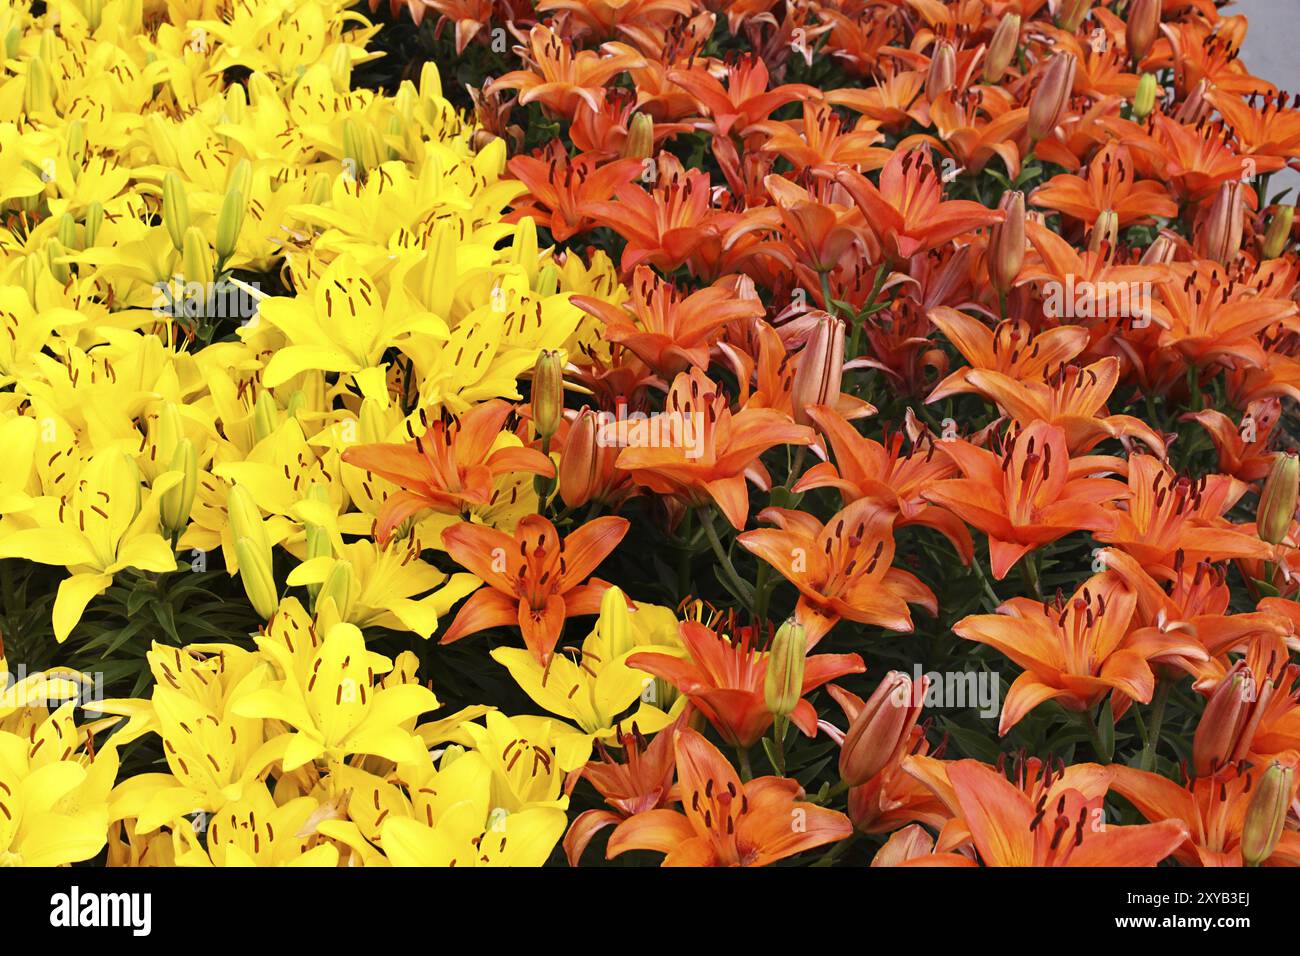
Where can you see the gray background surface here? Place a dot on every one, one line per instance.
(1272, 51)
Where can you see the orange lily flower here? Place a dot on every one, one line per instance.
(1075, 651)
(1064, 826)
(1071, 398)
(1212, 810)
(605, 19)
(1269, 132)
(1010, 348)
(1213, 318)
(643, 781)
(744, 101)
(867, 468)
(891, 102)
(1110, 184)
(816, 141)
(668, 331)
(1193, 603)
(665, 226)
(724, 680)
(718, 452)
(725, 821)
(534, 579)
(975, 126)
(907, 212)
(819, 229)
(558, 77)
(843, 569)
(1193, 160)
(1243, 448)
(1166, 513)
(449, 469)
(562, 191)
(1028, 495)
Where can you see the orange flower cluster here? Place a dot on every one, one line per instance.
(985, 309)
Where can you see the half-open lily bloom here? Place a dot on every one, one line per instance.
(1110, 184)
(561, 190)
(1165, 513)
(534, 579)
(1244, 448)
(665, 225)
(1212, 809)
(724, 679)
(1065, 827)
(642, 781)
(716, 450)
(452, 467)
(866, 468)
(560, 77)
(1029, 495)
(1011, 348)
(670, 331)
(744, 101)
(907, 211)
(843, 569)
(1071, 398)
(724, 821)
(1077, 650)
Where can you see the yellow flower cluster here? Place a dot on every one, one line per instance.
(209, 290)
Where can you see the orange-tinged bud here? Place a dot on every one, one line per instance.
(1266, 814)
(1073, 13)
(1227, 725)
(587, 464)
(1161, 252)
(820, 370)
(1279, 232)
(1221, 235)
(943, 71)
(783, 682)
(1052, 95)
(1277, 501)
(881, 729)
(1002, 48)
(1007, 242)
(1142, 28)
(548, 392)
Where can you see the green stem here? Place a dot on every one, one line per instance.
(742, 589)
(1157, 719)
(1194, 386)
(742, 757)
(994, 601)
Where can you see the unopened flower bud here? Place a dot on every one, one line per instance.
(881, 729)
(1266, 814)
(1142, 28)
(640, 143)
(1073, 13)
(176, 503)
(548, 393)
(1007, 242)
(1051, 96)
(1144, 100)
(246, 518)
(1227, 725)
(783, 682)
(341, 587)
(819, 373)
(1277, 502)
(943, 71)
(1279, 232)
(1221, 238)
(196, 260)
(255, 574)
(176, 210)
(229, 222)
(615, 622)
(1002, 48)
(94, 220)
(586, 462)
(1161, 252)
(38, 89)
